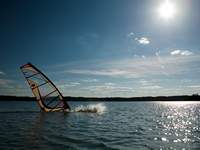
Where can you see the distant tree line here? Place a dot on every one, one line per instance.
(194, 97)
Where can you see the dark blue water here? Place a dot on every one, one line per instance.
(122, 125)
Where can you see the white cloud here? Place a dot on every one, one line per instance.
(157, 54)
(108, 88)
(74, 83)
(110, 84)
(144, 82)
(66, 85)
(148, 84)
(137, 67)
(194, 86)
(159, 59)
(103, 72)
(133, 76)
(90, 80)
(175, 52)
(143, 57)
(2, 73)
(143, 40)
(152, 87)
(181, 53)
(5, 82)
(131, 34)
(99, 89)
(186, 53)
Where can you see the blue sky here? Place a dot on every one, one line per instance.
(102, 48)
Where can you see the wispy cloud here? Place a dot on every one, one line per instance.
(12, 87)
(110, 84)
(103, 72)
(74, 83)
(140, 40)
(194, 86)
(9, 87)
(90, 80)
(181, 52)
(86, 40)
(5, 82)
(97, 89)
(159, 59)
(130, 35)
(70, 84)
(152, 87)
(148, 84)
(137, 67)
(143, 57)
(108, 88)
(143, 40)
(144, 82)
(2, 73)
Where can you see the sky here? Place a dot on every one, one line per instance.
(101, 48)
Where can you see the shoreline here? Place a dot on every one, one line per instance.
(149, 98)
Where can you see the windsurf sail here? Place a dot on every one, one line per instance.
(47, 94)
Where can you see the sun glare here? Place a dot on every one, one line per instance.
(167, 10)
(179, 103)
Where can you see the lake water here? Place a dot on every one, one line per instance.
(117, 125)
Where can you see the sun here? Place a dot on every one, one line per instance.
(167, 10)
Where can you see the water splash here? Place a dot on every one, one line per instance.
(91, 108)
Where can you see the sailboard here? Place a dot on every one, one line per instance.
(47, 94)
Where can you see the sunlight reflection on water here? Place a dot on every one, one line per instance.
(179, 103)
(178, 123)
(123, 125)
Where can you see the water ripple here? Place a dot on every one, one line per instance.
(124, 125)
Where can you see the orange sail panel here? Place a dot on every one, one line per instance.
(47, 94)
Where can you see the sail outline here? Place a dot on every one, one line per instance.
(33, 77)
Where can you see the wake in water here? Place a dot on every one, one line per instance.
(91, 108)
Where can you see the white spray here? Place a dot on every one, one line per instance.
(91, 108)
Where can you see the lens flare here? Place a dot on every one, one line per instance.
(167, 10)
